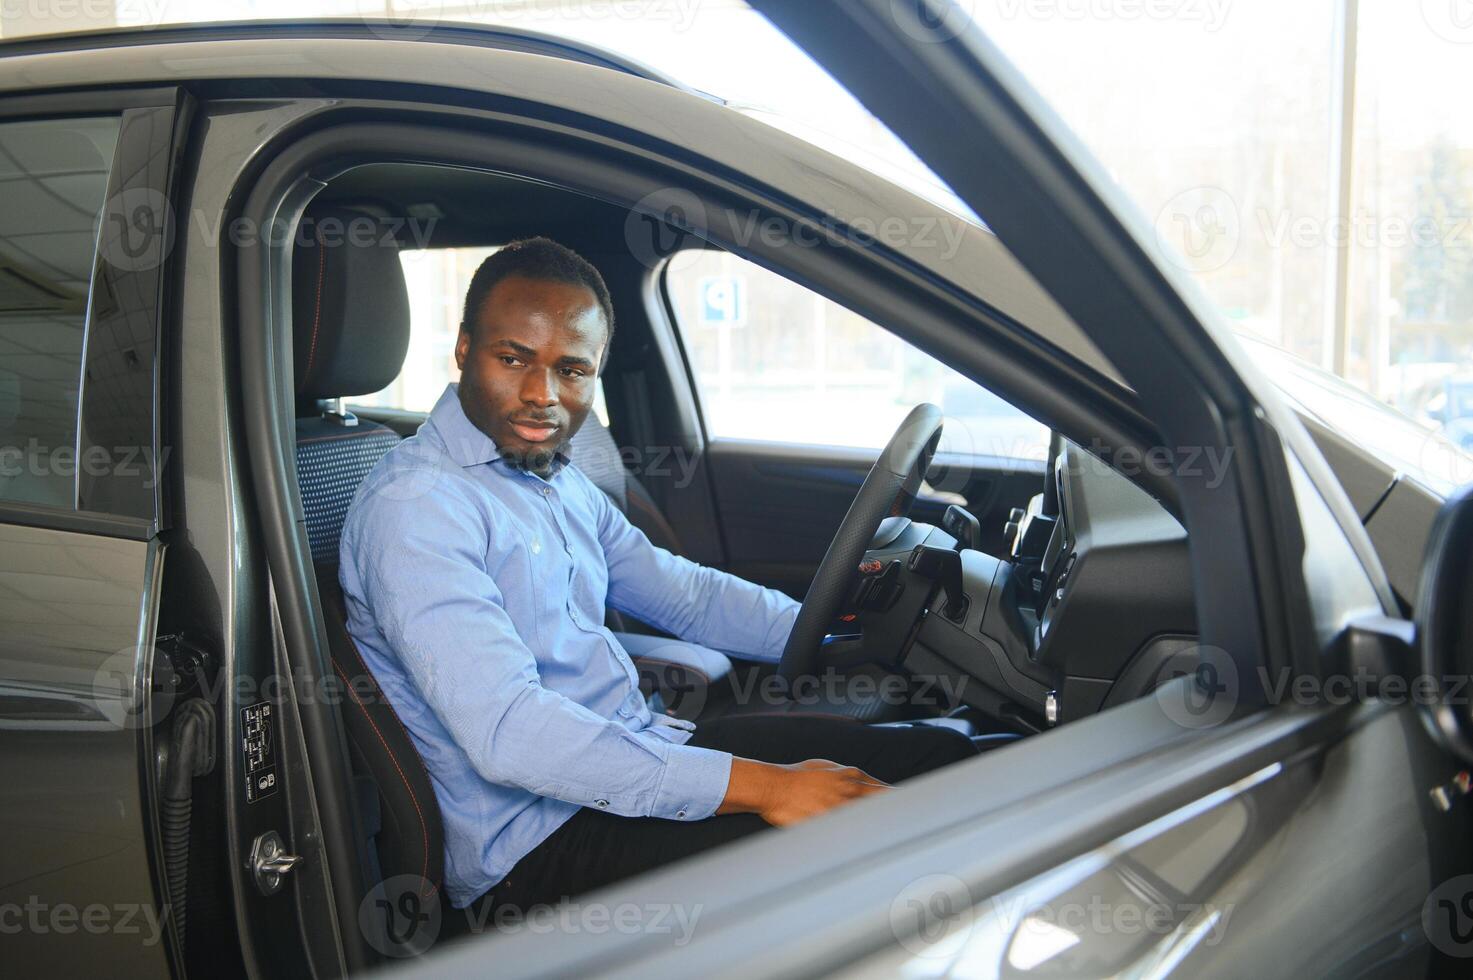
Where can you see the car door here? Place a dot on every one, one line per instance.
(1242, 820)
(84, 180)
(797, 396)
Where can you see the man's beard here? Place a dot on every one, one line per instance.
(539, 460)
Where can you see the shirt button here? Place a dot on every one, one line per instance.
(680, 815)
(601, 804)
(547, 491)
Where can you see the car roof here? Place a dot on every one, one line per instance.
(364, 28)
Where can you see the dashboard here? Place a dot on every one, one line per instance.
(1092, 603)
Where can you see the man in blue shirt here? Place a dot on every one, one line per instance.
(477, 566)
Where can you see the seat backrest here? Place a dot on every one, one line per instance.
(331, 463)
(594, 451)
(350, 313)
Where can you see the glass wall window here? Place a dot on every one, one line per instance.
(1411, 304)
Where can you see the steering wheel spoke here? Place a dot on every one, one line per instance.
(887, 494)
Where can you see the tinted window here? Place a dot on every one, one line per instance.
(53, 183)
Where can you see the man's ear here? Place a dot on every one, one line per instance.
(462, 347)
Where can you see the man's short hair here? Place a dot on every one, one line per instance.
(535, 258)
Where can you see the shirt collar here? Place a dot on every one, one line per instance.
(466, 443)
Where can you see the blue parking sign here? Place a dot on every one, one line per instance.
(724, 301)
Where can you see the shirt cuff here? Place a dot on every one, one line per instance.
(693, 784)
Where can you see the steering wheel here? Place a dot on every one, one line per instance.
(889, 490)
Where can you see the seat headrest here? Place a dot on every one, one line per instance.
(350, 305)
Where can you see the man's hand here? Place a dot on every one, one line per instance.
(784, 795)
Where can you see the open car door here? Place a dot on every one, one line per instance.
(1202, 829)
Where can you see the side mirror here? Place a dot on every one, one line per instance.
(1445, 621)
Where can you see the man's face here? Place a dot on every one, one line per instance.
(528, 366)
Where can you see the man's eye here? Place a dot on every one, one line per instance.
(509, 361)
(573, 373)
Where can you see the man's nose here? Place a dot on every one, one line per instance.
(540, 388)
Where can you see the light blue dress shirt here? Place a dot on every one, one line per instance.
(476, 594)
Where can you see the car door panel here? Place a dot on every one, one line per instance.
(82, 534)
(75, 653)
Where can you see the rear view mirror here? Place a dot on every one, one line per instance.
(1445, 620)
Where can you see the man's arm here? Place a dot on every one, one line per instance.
(421, 565)
(699, 604)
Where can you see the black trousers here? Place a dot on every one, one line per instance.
(595, 848)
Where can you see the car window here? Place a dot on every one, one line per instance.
(437, 279)
(53, 185)
(777, 362)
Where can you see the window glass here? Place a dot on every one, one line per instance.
(437, 279)
(775, 361)
(53, 183)
(1410, 325)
